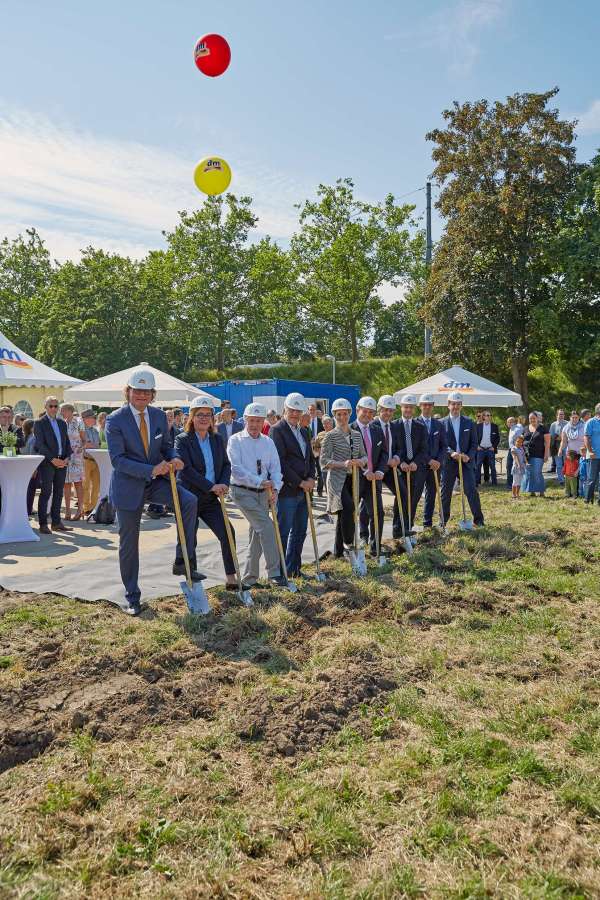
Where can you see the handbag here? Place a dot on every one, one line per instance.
(105, 512)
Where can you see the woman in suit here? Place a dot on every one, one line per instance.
(206, 473)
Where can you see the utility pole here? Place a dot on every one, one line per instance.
(428, 254)
(332, 358)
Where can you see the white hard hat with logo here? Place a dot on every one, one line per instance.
(408, 400)
(141, 379)
(455, 397)
(387, 402)
(341, 403)
(367, 403)
(426, 398)
(295, 401)
(201, 403)
(256, 409)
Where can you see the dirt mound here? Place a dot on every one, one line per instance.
(289, 725)
(105, 701)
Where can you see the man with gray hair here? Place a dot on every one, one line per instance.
(255, 477)
(52, 441)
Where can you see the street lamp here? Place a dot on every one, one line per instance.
(332, 358)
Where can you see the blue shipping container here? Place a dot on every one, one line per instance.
(273, 391)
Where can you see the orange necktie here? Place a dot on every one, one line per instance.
(144, 432)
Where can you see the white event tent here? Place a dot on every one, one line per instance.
(108, 390)
(25, 381)
(476, 391)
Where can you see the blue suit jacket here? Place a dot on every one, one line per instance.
(45, 439)
(132, 469)
(468, 438)
(437, 442)
(222, 429)
(193, 477)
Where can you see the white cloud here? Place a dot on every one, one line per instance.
(589, 121)
(455, 31)
(79, 188)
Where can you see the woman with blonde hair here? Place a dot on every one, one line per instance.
(75, 468)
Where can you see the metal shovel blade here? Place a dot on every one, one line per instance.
(355, 561)
(465, 524)
(382, 562)
(245, 597)
(408, 545)
(291, 587)
(195, 597)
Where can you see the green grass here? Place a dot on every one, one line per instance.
(475, 776)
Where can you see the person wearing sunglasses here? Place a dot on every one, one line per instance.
(52, 442)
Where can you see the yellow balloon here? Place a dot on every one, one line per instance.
(212, 175)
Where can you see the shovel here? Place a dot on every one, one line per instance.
(381, 560)
(357, 555)
(412, 535)
(320, 576)
(194, 594)
(407, 541)
(244, 597)
(443, 528)
(290, 586)
(464, 524)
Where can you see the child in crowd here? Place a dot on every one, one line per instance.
(583, 471)
(571, 471)
(519, 462)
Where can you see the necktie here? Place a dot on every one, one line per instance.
(144, 432)
(368, 445)
(409, 449)
(386, 436)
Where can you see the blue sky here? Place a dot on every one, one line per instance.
(103, 114)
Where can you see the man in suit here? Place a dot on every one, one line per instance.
(437, 449)
(293, 444)
(140, 451)
(6, 427)
(461, 437)
(316, 426)
(488, 439)
(412, 450)
(228, 425)
(376, 454)
(52, 441)
(386, 407)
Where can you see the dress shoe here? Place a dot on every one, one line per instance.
(279, 581)
(134, 608)
(44, 529)
(60, 527)
(179, 569)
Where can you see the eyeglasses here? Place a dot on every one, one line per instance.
(53, 406)
(203, 415)
(140, 391)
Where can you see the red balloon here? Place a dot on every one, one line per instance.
(212, 54)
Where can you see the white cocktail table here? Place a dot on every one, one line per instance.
(102, 458)
(15, 475)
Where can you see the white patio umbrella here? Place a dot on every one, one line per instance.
(108, 390)
(476, 391)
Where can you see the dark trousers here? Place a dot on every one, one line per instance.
(320, 479)
(344, 528)
(158, 491)
(366, 518)
(428, 485)
(509, 469)
(593, 476)
(388, 480)
(32, 487)
(449, 476)
(52, 481)
(487, 459)
(209, 510)
(292, 517)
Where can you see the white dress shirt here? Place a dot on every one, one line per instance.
(455, 422)
(486, 436)
(137, 415)
(245, 452)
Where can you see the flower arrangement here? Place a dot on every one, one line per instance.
(9, 444)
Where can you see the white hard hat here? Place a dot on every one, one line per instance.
(367, 403)
(387, 402)
(456, 397)
(341, 403)
(408, 399)
(426, 398)
(201, 403)
(142, 379)
(295, 401)
(256, 409)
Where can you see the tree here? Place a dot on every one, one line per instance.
(100, 317)
(506, 170)
(211, 265)
(397, 330)
(344, 251)
(25, 271)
